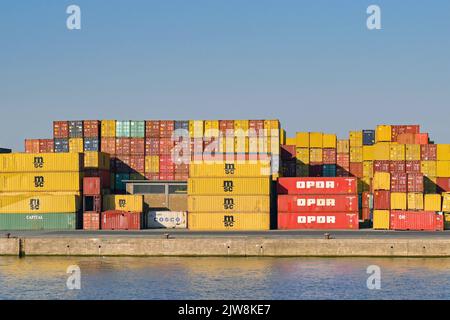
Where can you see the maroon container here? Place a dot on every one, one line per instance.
(91, 221)
(406, 138)
(152, 146)
(166, 146)
(399, 182)
(329, 156)
(402, 129)
(397, 166)
(104, 175)
(137, 146)
(108, 145)
(123, 146)
(443, 184)
(381, 200)
(32, 146)
(92, 186)
(412, 166)
(137, 164)
(91, 128)
(416, 220)
(152, 129)
(357, 169)
(365, 214)
(166, 128)
(287, 152)
(60, 129)
(365, 198)
(381, 166)
(428, 152)
(415, 182)
(118, 220)
(46, 146)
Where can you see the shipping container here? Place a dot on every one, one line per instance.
(91, 129)
(329, 141)
(123, 129)
(446, 202)
(165, 220)
(381, 166)
(196, 128)
(38, 221)
(209, 204)
(357, 169)
(229, 185)
(137, 129)
(443, 169)
(317, 203)
(415, 201)
(120, 220)
(421, 138)
(38, 203)
(416, 220)
(383, 134)
(45, 162)
(356, 154)
(91, 221)
(61, 145)
(428, 152)
(412, 152)
(40, 182)
(429, 185)
(343, 146)
(399, 182)
(32, 146)
(412, 166)
(152, 129)
(46, 146)
(406, 138)
(398, 201)
(287, 152)
(129, 203)
(381, 200)
(443, 184)
(119, 184)
(108, 128)
(397, 166)
(137, 164)
(316, 140)
(76, 145)
(415, 182)
(309, 185)
(108, 145)
(123, 146)
(229, 221)
(368, 137)
(382, 181)
(397, 152)
(331, 221)
(97, 160)
(428, 168)
(368, 169)
(91, 144)
(368, 153)
(302, 155)
(432, 202)
(104, 175)
(356, 139)
(60, 129)
(443, 152)
(381, 219)
(92, 186)
(329, 170)
(166, 128)
(235, 169)
(382, 150)
(76, 129)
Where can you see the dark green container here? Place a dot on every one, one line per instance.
(41, 221)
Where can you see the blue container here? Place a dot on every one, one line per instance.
(61, 145)
(368, 137)
(329, 170)
(181, 125)
(75, 129)
(91, 144)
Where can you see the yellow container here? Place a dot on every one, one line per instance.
(381, 219)
(356, 154)
(196, 128)
(76, 145)
(152, 164)
(238, 204)
(415, 201)
(443, 169)
(40, 182)
(230, 169)
(41, 162)
(368, 169)
(329, 140)
(412, 152)
(229, 186)
(397, 152)
(302, 139)
(398, 201)
(433, 202)
(383, 133)
(369, 153)
(229, 221)
(446, 201)
(108, 128)
(302, 155)
(382, 151)
(343, 146)
(96, 160)
(271, 124)
(381, 181)
(125, 202)
(356, 139)
(241, 125)
(291, 141)
(316, 140)
(443, 152)
(315, 155)
(212, 128)
(39, 203)
(282, 136)
(428, 168)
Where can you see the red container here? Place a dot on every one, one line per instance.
(421, 138)
(91, 221)
(399, 181)
(108, 145)
(122, 164)
(381, 166)
(137, 146)
(91, 128)
(225, 125)
(323, 185)
(415, 182)
(118, 220)
(166, 128)
(318, 203)
(416, 220)
(152, 129)
(32, 146)
(104, 175)
(397, 166)
(412, 166)
(137, 164)
(401, 129)
(365, 198)
(287, 152)
(365, 214)
(166, 146)
(257, 126)
(152, 146)
(92, 186)
(406, 138)
(123, 146)
(357, 169)
(338, 220)
(381, 200)
(443, 184)
(166, 163)
(46, 146)
(60, 129)
(166, 176)
(329, 156)
(428, 152)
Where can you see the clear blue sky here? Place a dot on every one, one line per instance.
(312, 64)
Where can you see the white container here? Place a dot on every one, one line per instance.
(166, 219)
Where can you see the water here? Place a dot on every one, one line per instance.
(223, 278)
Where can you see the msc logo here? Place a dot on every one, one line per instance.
(316, 219)
(228, 203)
(39, 182)
(34, 204)
(228, 186)
(38, 162)
(315, 184)
(229, 168)
(122, 203)
(316, 202)
(228, 221)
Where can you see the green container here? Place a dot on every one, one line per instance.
(122, 129)
(119, 178)
(40, 221)
(137, 129)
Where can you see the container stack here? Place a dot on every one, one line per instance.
(229, 196)
(317, 203)
(40, 191)
(92, 202)
(122, 212)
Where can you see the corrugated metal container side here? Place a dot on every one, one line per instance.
(397, 166)
(406, 138)
(381, 166)
(91, 129)
(38, 221)
(119, 220)
(368, 137)
(429, 185)
(329, 156)
(309, 185)
(60, 129)
(232, 186)
(129, 203)
(61, 145)
(91, 144)
(91, 221)
(416, 220)
(302, 155)
(382, 181)
(165, 220)
(412, 152)
(92, 186)
(316, 155)
(415, 201)
(229, 221)
(316, 140)
(383, 133)
(46, 146)
(381, 200)
(234, 169)
(397, 152)
(443, 184)
(428, 152)
(382, 150)
(228, 204)
(398, 201)
(302, 139)
(76, 129)
(369, 153)
(428, 168)
(443, 169)
(368, 169)
(446, 202)
(356, 138)
(381, 219)
(443, 152)
(137, 129)
(76, 145)
(421, 138)
(119, 184)
(40, 182)
(329, 140)
(287, 152)
(412, 166)
(108, 128)
(32, 146)
(432, 202)
(331, 221)
(357, 169)
(39, 203)
(108, 145)
(343, 146)
(329, 170)
(97, 160)
(415, 182)
(317, 203)
(399, 182)
(123, 129)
